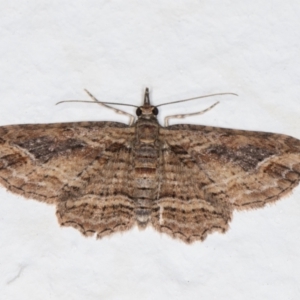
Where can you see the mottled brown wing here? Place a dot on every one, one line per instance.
(183, 210)
(77, 166)
(225, 169)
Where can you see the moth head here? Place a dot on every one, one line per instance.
(147, 110)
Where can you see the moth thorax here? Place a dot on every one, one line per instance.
(147, 133)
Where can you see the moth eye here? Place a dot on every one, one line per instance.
(155, 111)
(138, 112)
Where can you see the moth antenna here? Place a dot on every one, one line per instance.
(205, 96)
(87, 101)
(105, 104)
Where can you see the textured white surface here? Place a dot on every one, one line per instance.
(51, 50)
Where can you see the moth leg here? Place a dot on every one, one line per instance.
(188, 115)
(118, 111)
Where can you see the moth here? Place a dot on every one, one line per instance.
(184, 180)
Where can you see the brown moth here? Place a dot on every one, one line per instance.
(184, 180)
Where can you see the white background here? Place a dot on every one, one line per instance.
(51, 50)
